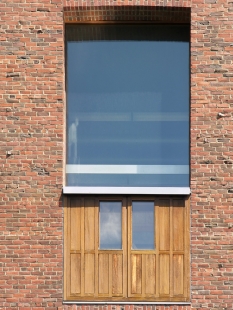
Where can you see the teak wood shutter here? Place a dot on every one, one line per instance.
(92, 274)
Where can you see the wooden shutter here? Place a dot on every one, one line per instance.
(92, 274)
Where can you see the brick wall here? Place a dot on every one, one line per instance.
(32, 146)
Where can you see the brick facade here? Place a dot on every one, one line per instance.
(32, 145)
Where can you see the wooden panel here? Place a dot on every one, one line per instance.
(136, 274)
(164, 226)
(75, 266)
(150, 274)
(89, 273)
(103, 273)
(178, 274)
(75, 226)
(89, 225)
(178, 225)
(117, 274)
(164, 272)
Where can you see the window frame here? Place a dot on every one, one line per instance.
(115, 190)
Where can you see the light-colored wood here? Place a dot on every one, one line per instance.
(126, 275)
(123, 282)
(75, 228)
(103, 274)
(136, 274)
(164, 225)
(82, 247)
(157, 236)
(178, 275)
(143, 272)
(178, 225)
(129, 246)
(66, 250)
(89, 225)
(117, 274)
(89, 273)
(164, 274)
(171, 278)
(110, 280)
(150, 274)
(96, 245)
(75, 266)
(187, 249)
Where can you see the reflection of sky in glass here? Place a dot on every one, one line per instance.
(131, 99)
(110, 225)
(143, 225)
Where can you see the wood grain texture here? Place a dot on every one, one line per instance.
(164, 225)
(75, 266)
(89, 225)
(92, 274)
(164, 274)
(103, 273)
(117, 274)
(89, 272)
(178, 225)
(136, 274)
(75, 227)
(150, 274)
(178, 274)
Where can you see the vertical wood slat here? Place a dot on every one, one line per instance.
(66, 248)
(103, 273)
(136, 273)
(124, 261)
(82, 247)
(75, 266)
(89, 271)
(157, 236)
(164, 274)
(150, 274)
(186, 280)
(96, 244)
(110, 280)
(89, 225)
(129, 238)
(171, 274)
(178, 275)
(178, 225)
(117, 274)
(75, 228)
(164, 225)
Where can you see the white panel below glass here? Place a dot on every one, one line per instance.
(127, 190)
(128, 169)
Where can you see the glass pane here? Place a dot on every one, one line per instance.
(110, 225)
(143, 225)
(128, 106)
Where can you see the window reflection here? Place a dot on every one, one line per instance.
(143, 226)
(110, 225)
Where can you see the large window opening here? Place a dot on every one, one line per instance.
(127, 105)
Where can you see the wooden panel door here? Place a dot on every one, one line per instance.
(92, 273)
(157, 273)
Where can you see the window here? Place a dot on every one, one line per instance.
(126, 249)
(127, 134)
(127, 107)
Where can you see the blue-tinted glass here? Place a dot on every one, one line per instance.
(143, 226)
(128, 109)
(110, 225)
